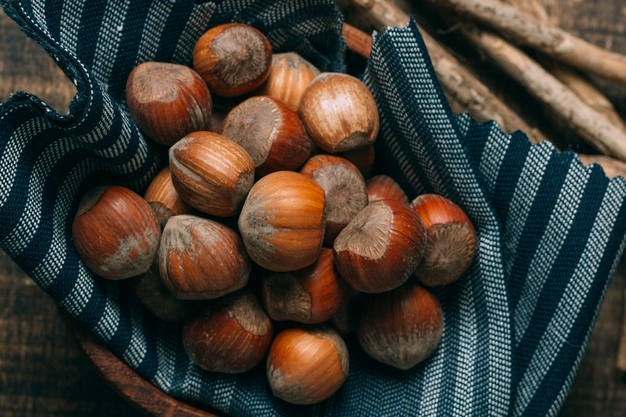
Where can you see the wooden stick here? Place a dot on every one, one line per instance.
(612, 168)
(463, 89)
(589, 113)
(578, 82)
(527, 30)
(606, 136)
(532, 7)
(382, 13)
(591, 125)
(583, 87)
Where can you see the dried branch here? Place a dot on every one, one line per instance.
(532, 7)
(524, 29)
(462, 88)
(612, 168)
(591, 125)
(578, 82)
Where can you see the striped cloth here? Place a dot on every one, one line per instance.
(550, 230)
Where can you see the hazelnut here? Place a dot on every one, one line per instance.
(307, 365)
(216, 121)
(115, 232)
(233, 59)
(282, 221)
(344, 188)
(363, 158)
(401, 327)
(232, 335)
(271, 132)
(381, 247)
(382, 187)
(290, 75)
(167, 101)
(201, 258)
(339, 112)
(156, 298)
(211, 173)
(451, 240)
(310, 295)
(163, 198)
(344, 321)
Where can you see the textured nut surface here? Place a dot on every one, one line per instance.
(339, 112)
(381, 247)
(163, 198)
(156, 298)
(289, 76)
(168, 101)
(201, 258)
(451, 240)
(115, 232)
(401, 327)
(211, 173)
(282, 221)
(310, 295)
(306, 366)
(270, 132)
(344, 188)
(381, 187)
(231, 335)
(233, 59)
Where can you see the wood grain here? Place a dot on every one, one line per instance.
(130, 386)
(42, 371)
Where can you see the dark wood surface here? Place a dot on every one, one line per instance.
(43, 372)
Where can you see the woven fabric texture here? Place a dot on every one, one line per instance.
(550, 230)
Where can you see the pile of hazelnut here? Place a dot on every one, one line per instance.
(274, 187)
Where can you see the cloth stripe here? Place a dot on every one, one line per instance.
(71, 12)
(153, 31)
(561, 322)
(493, 154)
(559, 225)
(196, 25)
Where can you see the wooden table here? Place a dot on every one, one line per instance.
(42, 370)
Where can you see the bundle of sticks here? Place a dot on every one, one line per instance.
(550, 64)
(553, 66)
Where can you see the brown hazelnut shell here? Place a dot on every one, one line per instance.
(344, 188)
(289, 76)
(233, 59)
(156, 298)
(381, 187)
(401, 327)
(451, 240)
(339, 112)
(282, 221)
(201, 258)
(270, 132)
(211, 173)
(231, 335)
(310, 295)
(115, 232)
(307, 365)
(163, 197)
(381, 247)
(168, 101)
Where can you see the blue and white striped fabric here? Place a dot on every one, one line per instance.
(550, 230)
